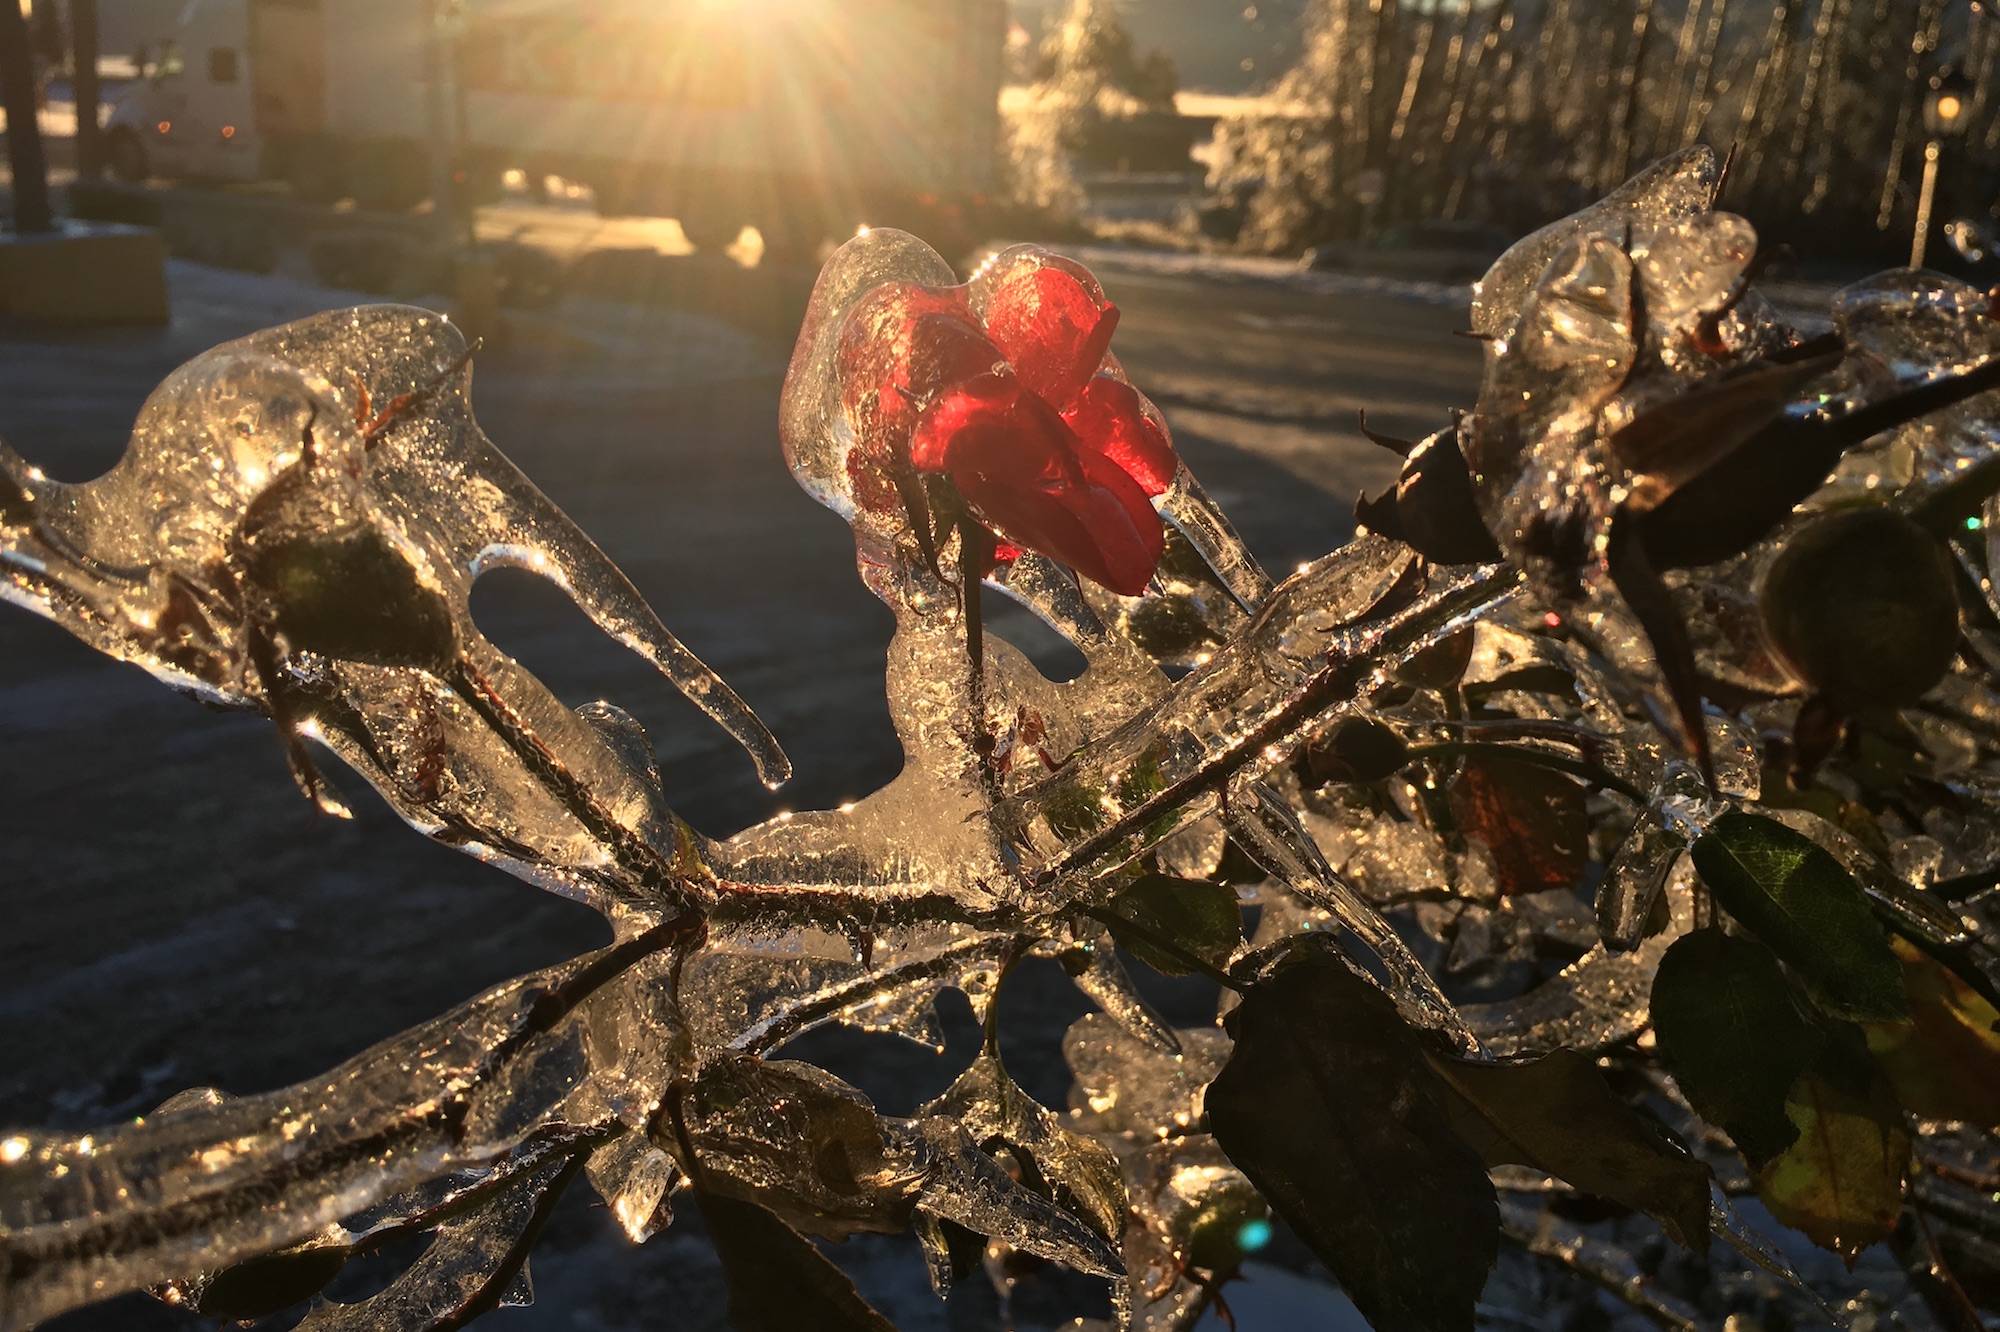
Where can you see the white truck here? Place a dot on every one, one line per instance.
(801, 117)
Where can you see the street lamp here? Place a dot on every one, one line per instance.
(1947, 105)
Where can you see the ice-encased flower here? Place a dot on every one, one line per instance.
(1006, 388)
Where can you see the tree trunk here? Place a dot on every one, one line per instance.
(83, 62)
(24, 133)
(1632, 89)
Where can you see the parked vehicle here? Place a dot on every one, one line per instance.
(797, 116)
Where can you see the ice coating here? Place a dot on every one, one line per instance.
(1911, 326)
(276, 483)
(210, 1184)
(1678, 186)
(834, 400)
(1305, 659)
(1613, 325)
(1024, 804)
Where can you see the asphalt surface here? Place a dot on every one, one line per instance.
(177, 916)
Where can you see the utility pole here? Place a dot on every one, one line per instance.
(24, 132)
(83, 65)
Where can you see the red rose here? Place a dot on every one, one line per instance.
(1000, 387)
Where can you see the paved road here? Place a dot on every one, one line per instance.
(177, 916)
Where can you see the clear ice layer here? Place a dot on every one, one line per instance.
(295, 529)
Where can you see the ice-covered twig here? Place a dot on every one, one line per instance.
(197, 1189)
(1302, 661)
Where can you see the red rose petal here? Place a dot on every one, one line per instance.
(988, 403)
(1110, 418)
(902, 345)
(1016, 462)
(1053, 329)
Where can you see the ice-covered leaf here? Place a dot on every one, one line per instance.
(1529, 818)
(296, 527)
(963, 1185)
(1800, 901)
(1841, 1180)
(1195, 916)
(474, 1264)
(1733, 1036)
(1077, 1171)
(264, 1285)
(634, 1176)
(1680, 186)
(1630, 895)
(779, 1282)
(951, 1252)
(1556, 1114)
(1597, 1000)
(1944, 1063)
(1358, 749)
(1389, 1198)
(799, 1142)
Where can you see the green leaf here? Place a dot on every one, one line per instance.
(1733, 1037)
(1531, 820)
(1841, 1181)
(1203, 918)
(1792, 894)
(1330, 1106)
(1945, 1062)
(779, 1282)
(1559, 1116)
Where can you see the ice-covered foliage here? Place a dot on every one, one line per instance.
(1616, 817)
(1507, 112)
(1086, 78)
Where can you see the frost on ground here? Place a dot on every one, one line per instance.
(1477, 785)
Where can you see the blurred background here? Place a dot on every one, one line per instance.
(628, 200)
(1431, 128)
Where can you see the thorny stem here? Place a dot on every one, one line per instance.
(637, 856)
(1588, 772)
(554, 1004)
(975, 549)
(676, 1116)
(990, 1029)
(373, 428)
